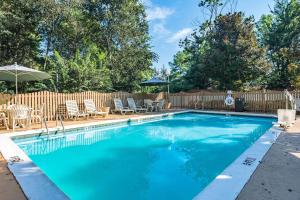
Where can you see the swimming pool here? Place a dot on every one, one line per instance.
(171, 158)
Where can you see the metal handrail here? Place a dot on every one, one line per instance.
(61, 123)
(46, 125)
(289, 97)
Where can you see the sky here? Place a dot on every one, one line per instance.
(172, 20)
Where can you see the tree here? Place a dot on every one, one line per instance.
(226, 55)
(282, 38)
(85, 71)
(179, 68)
(122, 28)
(19, 38)
(263, 27)
(56, 25)
(42, 33)
(234, 60)
(197, 46)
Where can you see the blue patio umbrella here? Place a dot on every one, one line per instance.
(154, 81)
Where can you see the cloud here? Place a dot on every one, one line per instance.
(160, 29)
(180, 35)
(147, 3)
(157, 16)
(158, 13)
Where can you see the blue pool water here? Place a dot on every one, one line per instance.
(171, 158)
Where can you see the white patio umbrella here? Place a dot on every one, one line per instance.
(16, 73)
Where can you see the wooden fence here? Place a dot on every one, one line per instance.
(259, 101)
(55, 102)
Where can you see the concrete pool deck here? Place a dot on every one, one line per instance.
(277, 177)
(9, 188)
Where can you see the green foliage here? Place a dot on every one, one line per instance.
(282, 38)
(228, 52)
(124, 35)
(179, 68)
(90, 45)
(233, 60)
(85, 71)
(19, 39)
(263, 29)
(223, 56)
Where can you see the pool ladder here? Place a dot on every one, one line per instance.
(61, 123)
(46, 125)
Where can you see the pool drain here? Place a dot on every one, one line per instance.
(249, 161)
(14, 159)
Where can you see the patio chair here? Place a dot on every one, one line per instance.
(91, 108)
(20, 113)
(120, 108)
(132, 105)
(4, 120)
(73, 110)
(38, 114)
(161, 105)
(149, 105)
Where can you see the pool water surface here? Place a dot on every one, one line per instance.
(172, 158)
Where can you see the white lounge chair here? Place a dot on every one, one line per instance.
(149, 104)
(91, 108)
(120, 108)
(132, 105)
(73, 110)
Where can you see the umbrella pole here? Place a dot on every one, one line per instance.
(168, 89)
(16, 85)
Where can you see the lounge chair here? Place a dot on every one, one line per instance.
(73, 110)
(91, 108)
(132, 105)
(149, 104)
(160, 105)
(120, 108)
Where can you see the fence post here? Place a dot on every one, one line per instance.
(180, 100)
(264, 100)
(202, 100)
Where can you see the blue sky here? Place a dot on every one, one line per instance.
(172, 20)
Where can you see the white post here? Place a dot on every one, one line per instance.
(16, 82)
(168, 89)
(168, 72)
(16, 71)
